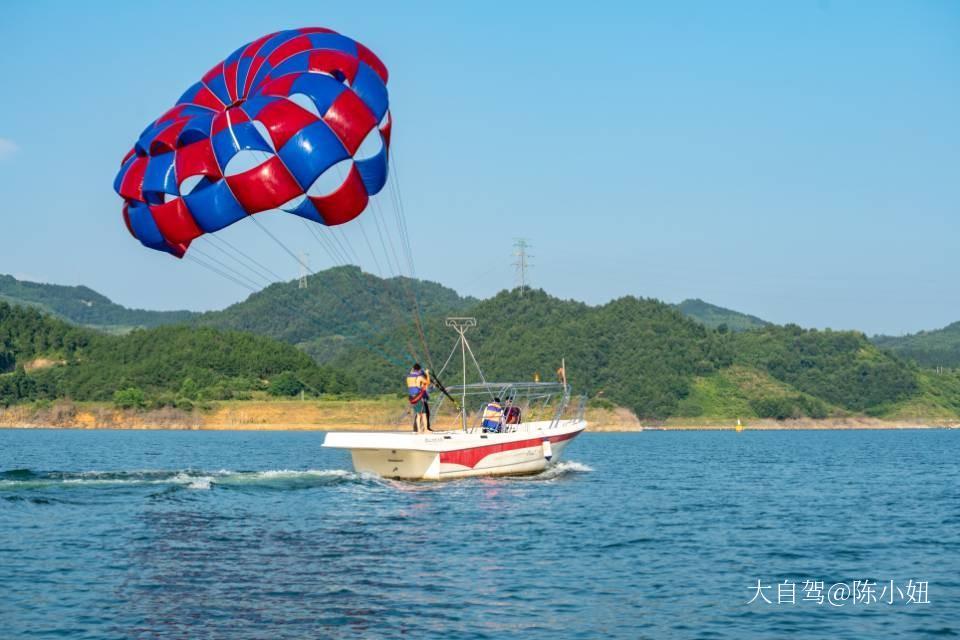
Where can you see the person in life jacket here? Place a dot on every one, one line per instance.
(511, 413)
(492, 416)
(418, 383)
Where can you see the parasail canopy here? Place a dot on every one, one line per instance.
(297, 120)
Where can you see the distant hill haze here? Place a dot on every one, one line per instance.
(938, 348)
(84, 306)
(714, 317)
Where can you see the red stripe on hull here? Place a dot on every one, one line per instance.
(470, 457)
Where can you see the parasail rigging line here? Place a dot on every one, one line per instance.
(356, 316)
(257, 274)
(385, 240)
(222, 274)
(229, 269)
(340, 236)
(393, 184)
(372, 348)
(329, 248)
(406, 284)
(340, 260)
(266, 270)
(394, 189)
(366, 240)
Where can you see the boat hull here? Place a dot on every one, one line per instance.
(447, 456)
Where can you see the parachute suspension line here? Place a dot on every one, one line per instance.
(393, 181)
(396, 267)
(295, 257)
(393, 186)
(192, 258)
(196, 260)
(257, 284)
(341, 241)
(366, 240)
(402, 228)
(266, 270)
(407, 287)
(356, 316)
(339, 259)
(331, 250)
(258, 274)
(393, 267)
(382, 230)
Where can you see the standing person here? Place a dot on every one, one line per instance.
(418, 382)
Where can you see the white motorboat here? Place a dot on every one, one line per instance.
(540, 421)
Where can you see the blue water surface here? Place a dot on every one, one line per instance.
(165, 534)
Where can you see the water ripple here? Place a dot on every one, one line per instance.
(652, 535)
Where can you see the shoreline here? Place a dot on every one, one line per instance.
(384, 414)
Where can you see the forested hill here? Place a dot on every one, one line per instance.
(714, 317)
(43, 358)
(638, 353)
(647, 356)
(939, 348)
(338, 303)
(84, 306)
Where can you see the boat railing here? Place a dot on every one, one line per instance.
(537, 402)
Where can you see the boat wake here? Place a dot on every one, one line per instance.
(557, 471)
(16, 480)
(20, 479)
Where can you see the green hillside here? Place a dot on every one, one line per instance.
(646, 355)
(84, 306)
(739, 391)
(43, 358)
(638, 353)
(939, 348)
(339, 303)
(715, 317)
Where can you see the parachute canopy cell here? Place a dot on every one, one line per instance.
(297, 120)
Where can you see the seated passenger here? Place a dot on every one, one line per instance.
(492, 416)
(511, 415)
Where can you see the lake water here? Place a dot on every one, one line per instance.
(153, 534)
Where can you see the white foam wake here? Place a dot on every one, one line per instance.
(560, 470)
(187, 478)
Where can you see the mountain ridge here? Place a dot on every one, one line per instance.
(715, 316)
(341, 304)
(933, 348)
(85, 306)
(638, 353)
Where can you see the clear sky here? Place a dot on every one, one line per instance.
(795, 160)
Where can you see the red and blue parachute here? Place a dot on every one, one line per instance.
(297, 120)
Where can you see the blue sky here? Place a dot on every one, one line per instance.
(795, 160)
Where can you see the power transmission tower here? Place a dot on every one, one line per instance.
(522, 262)
(304, 262)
